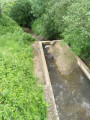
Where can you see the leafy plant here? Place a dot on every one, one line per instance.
(38, 7)
(37, 26)
(52, 18)
(77, 28)
(7, 6)
(21, 12)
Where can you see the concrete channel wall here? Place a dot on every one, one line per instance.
(48, 83)
(83, 67)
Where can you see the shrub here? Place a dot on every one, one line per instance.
(37, 26)
(21, 12)
(78, 27)
(38, 7)
(52, 19)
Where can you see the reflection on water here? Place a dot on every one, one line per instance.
(71, 92)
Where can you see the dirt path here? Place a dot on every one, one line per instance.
(37, 37)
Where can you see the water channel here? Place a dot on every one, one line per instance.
(71, 92)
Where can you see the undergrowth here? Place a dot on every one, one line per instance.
(20, 96)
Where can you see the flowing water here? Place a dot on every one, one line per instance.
(71, 92)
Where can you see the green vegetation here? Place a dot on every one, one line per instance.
(77, 31)
(20, 96)
(37, 26)
(21, 12)
(6, 6)
(7, 25)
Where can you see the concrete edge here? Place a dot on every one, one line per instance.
(83, 67)
(45, 42)
(47, 78)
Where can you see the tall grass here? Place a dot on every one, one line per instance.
(20, 96)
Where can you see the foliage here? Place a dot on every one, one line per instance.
(78, 27)
(38, 7)
(21, 12)
(52, 19)
(7, 6)
(37, 26)
(2, 2)
(20, 96)
(7, 25)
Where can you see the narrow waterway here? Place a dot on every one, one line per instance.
(71, 92)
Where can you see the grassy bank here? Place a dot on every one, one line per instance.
(20, 97)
